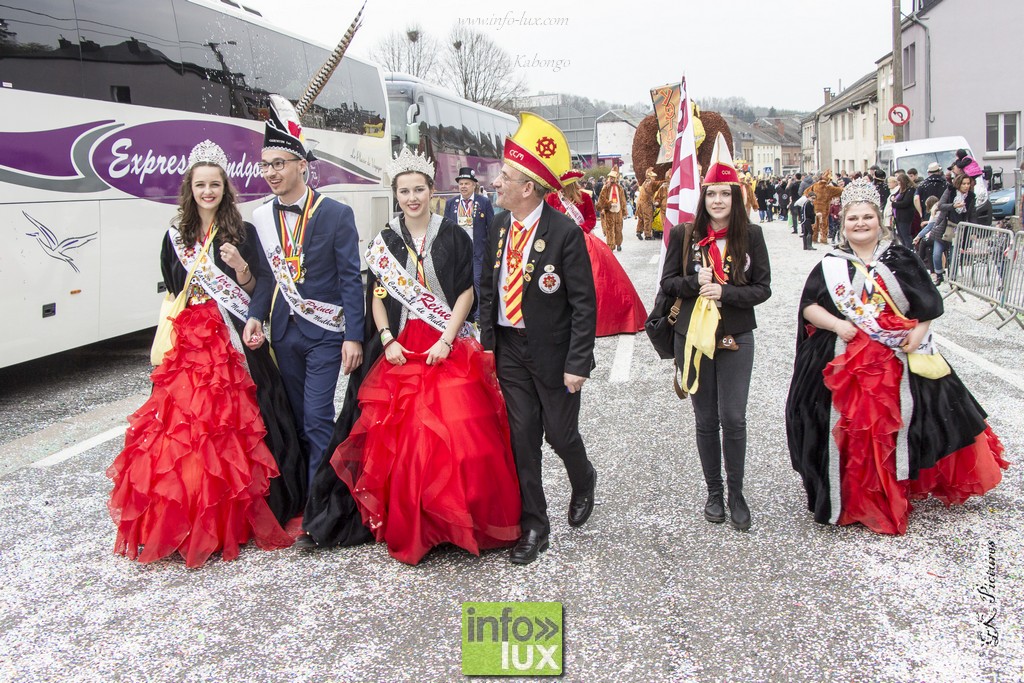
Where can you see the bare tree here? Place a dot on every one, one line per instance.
(412, 51)
(478, 70)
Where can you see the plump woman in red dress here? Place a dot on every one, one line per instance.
(429, 459)
(619, 308)
(875, 418)
(195, 470)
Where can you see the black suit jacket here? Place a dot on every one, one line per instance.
(560, 324)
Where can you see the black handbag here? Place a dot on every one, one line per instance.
(660, 323)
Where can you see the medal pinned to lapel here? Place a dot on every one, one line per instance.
(539, 245)
(549, 283)
(380, 292)
(529, 268)
(549, 268)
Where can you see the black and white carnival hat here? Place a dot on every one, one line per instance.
(283, 130)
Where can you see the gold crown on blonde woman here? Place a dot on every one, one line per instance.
(409, 162)
(861, 190)
(209, 152)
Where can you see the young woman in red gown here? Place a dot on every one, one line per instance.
(429, 459)
(619, 308)
(195, 471)
(869, 431)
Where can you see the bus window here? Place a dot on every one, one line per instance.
(369, 100)
(38, 51)
(450, 118)
(130, 52)
(215, 49)
(280, 66)
(428, 114)
(397, 110)
(471, 131)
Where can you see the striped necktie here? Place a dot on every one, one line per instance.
(514, 280)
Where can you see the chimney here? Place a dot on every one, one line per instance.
(828, 95)
(780, 127)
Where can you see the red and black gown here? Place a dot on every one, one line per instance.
(855, 399)
(429, 458)
(196, 469)
(619, 308)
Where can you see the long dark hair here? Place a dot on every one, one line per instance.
(228, 219)
(736, 234)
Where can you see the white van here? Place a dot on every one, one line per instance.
(919, 153)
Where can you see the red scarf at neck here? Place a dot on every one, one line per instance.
(714, 254)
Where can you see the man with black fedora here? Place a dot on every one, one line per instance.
(474, 214)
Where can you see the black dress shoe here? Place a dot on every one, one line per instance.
(530, 544)
(306, 542)
(582, 504)
(714, 509)
(739, 513)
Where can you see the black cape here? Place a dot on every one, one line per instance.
(332, 517)
(946, 417)
(288, 491)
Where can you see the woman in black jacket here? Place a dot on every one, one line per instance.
(903, 210)
(720, 260)
(955, 206)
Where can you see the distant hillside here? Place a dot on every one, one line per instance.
(736, 106)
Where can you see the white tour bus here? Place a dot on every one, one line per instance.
(102, 103)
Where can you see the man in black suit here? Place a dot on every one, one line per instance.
(472, 212)
(538, 313)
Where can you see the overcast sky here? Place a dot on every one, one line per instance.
(779, 53)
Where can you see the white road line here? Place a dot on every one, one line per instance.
(623, 359)
(987, 365)
(79, 448)
(654, 260)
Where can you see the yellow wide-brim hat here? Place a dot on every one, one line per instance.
(538, 149)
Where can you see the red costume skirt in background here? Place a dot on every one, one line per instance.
(865, 385)
(619, 308)
(430, 461)
(194, 470)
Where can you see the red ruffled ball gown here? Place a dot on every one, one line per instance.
(429, 460)
(619, 308)
(954, 454)
(195, 470)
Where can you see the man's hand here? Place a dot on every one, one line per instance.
(351, 356)
(573, 383)
(252, 335)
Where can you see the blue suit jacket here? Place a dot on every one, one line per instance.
(332, 264)
(483, 216)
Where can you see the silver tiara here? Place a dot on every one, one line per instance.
(210, 152)
(861, 190)
(408, 162)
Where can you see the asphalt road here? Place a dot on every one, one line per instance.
(651, 592)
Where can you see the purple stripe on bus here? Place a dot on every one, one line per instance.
(149, 160)
(43, 152)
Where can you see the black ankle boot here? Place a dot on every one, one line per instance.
(739, 513)
(714, 509)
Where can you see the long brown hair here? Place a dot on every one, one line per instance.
(572, 193)
(736, 234)
(228, 219)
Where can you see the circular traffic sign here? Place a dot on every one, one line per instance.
(899, 114)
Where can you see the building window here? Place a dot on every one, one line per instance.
(909, 64)
(1001, 131)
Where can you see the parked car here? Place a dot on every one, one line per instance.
(1004, 204)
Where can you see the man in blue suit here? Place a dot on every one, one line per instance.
(473, 212)
(308, 286)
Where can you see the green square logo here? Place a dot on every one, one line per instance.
(512, 638)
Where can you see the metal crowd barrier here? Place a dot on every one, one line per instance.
(988, 263)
